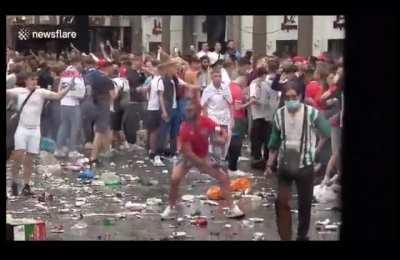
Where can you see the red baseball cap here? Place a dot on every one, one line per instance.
(103, 63)
(298, 59)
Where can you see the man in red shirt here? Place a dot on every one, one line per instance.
(193, 137)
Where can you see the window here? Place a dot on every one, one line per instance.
(153, 47)
(336, 47)
(286, 48)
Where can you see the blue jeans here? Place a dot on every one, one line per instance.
(181, 108)
(169, 129)
(70, 127)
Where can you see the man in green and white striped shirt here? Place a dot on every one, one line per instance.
(293, 141)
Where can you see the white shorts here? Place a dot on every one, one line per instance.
(27, 139)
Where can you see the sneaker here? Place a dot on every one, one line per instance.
(234, 212)
(157, 161)
(26, 191)
(60, 153)
(169, 213)
(14, 189)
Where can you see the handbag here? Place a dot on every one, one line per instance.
(290, 160)
(12, 124)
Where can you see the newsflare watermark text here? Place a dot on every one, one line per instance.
(26, 34)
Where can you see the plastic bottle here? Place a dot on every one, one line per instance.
(110, 178)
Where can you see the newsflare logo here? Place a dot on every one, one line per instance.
(26, 34)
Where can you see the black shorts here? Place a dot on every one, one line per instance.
(285, 178)
(116, 119)
(152, 119)
(102, 117)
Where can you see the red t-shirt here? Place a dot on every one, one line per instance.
(237, 97)
(314, 91)
(197, 135)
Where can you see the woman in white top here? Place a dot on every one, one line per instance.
(216, 102)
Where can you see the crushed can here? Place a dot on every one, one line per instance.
(201, 222)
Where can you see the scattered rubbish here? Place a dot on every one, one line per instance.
(116, 200)
(79, 225)
(214, 193)
(128, 177)
(57, 229)
(252, 197)
(86, 174)
(40, 206)
(241, 184)
(98, 183)
(108, 222)
(153, 201)
(74, 168)
(65, 210)
(332, 227)
(324, 194)
(153, 182)
(135, 206)
(178, 234)
(325, 222)
(201, 222)
(110, 178)
(210, 202)
(256, 220)
(247, 224)
(188, 197)
(112, 164)
(45, 197)
(140, 162)
(257, 236)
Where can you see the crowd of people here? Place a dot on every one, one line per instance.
(198, 109)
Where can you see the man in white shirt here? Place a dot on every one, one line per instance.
(216, 101)
(70, 110)
(204, 51)
(27, 135)
(264, 103)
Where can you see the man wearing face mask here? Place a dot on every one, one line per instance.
(294, 138)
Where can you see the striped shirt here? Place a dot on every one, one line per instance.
(316, 124)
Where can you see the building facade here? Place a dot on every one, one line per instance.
(284, 35)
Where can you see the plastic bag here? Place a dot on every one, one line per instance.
(214, 193)
(241, 184)
(324, 194)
